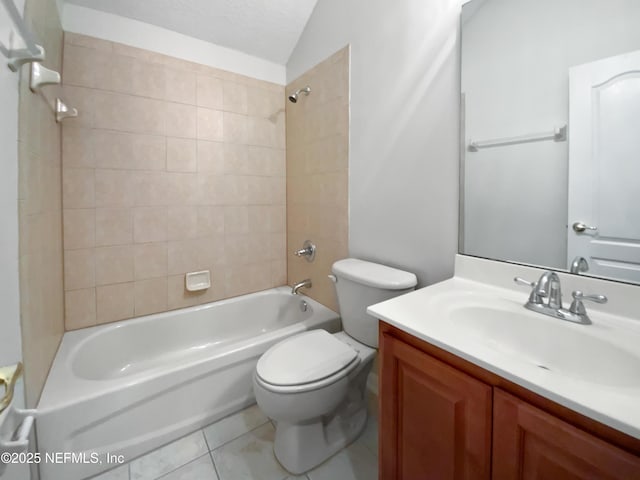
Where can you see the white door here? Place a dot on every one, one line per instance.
(604, 166)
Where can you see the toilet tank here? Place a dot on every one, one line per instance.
(360, 284)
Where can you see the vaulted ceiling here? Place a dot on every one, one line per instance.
(268, 29)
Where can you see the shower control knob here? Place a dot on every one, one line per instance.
(307, 251)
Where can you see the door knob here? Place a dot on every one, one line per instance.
(580, 227)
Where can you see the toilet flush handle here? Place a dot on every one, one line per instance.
(333, 278)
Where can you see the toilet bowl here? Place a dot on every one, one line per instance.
(321, 407)
(313, 384)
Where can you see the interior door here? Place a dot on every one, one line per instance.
(604, 166)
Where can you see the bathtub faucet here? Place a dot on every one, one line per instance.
(299, 285)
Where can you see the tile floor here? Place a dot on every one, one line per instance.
(240, 447)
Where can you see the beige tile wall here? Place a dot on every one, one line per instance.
(317, 173)
(170, 167)
(40, 209)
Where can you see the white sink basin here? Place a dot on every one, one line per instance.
(561, 347)
(480, 317)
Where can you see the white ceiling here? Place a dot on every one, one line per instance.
(268, 29)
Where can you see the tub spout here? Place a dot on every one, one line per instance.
(299, 285)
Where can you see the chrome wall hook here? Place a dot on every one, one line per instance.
(41, 76)
(63, 111)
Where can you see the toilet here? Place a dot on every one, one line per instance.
(313, 384)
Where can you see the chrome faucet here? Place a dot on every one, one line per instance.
(548, 287)
(299, 285)
(578, 265)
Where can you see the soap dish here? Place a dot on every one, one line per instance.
(196, 281)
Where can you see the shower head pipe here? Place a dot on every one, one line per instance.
(293, 98)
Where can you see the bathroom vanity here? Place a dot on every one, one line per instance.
(443, 417)
(458, 399)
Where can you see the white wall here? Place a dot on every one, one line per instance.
(114, 28)
(403, 159)
(10, 337)
(10, 340)
(516, 59)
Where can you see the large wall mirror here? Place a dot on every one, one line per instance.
(550, 167)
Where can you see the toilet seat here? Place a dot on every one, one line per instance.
(305, 362)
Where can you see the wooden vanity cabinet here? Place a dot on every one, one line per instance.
(529, 443)
(444, 418)
(435, 421)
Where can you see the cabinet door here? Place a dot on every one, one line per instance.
(533, 445)
(435, 421)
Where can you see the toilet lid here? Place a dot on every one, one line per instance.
(304, 358)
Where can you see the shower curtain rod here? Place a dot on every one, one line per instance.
(32, 52)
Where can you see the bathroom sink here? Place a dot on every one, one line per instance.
(558, 346)
(480, 317)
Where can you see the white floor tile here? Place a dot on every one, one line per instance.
(120, 473)
(169, 457)
(199, 469)
(369, 437)
(233, 426)
(249, 457)
(356, 462)
(242, 449)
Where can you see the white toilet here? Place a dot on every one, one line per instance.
(313, 384)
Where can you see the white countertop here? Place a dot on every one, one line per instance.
(423, 313)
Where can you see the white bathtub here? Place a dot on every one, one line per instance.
(126, 388)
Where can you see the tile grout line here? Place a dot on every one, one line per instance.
(206, 442)
(181, 466)
(215, 467)
(235, 438)
(269, 421)
(210, 453)
(130, 462)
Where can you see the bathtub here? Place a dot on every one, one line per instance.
(129, 387)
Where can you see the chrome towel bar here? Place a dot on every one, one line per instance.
(559, 134)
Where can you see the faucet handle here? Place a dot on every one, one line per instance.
(578, 295)
(522, 281)
(577, 305)
(533, 297)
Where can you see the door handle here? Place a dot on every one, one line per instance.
(580, 227)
